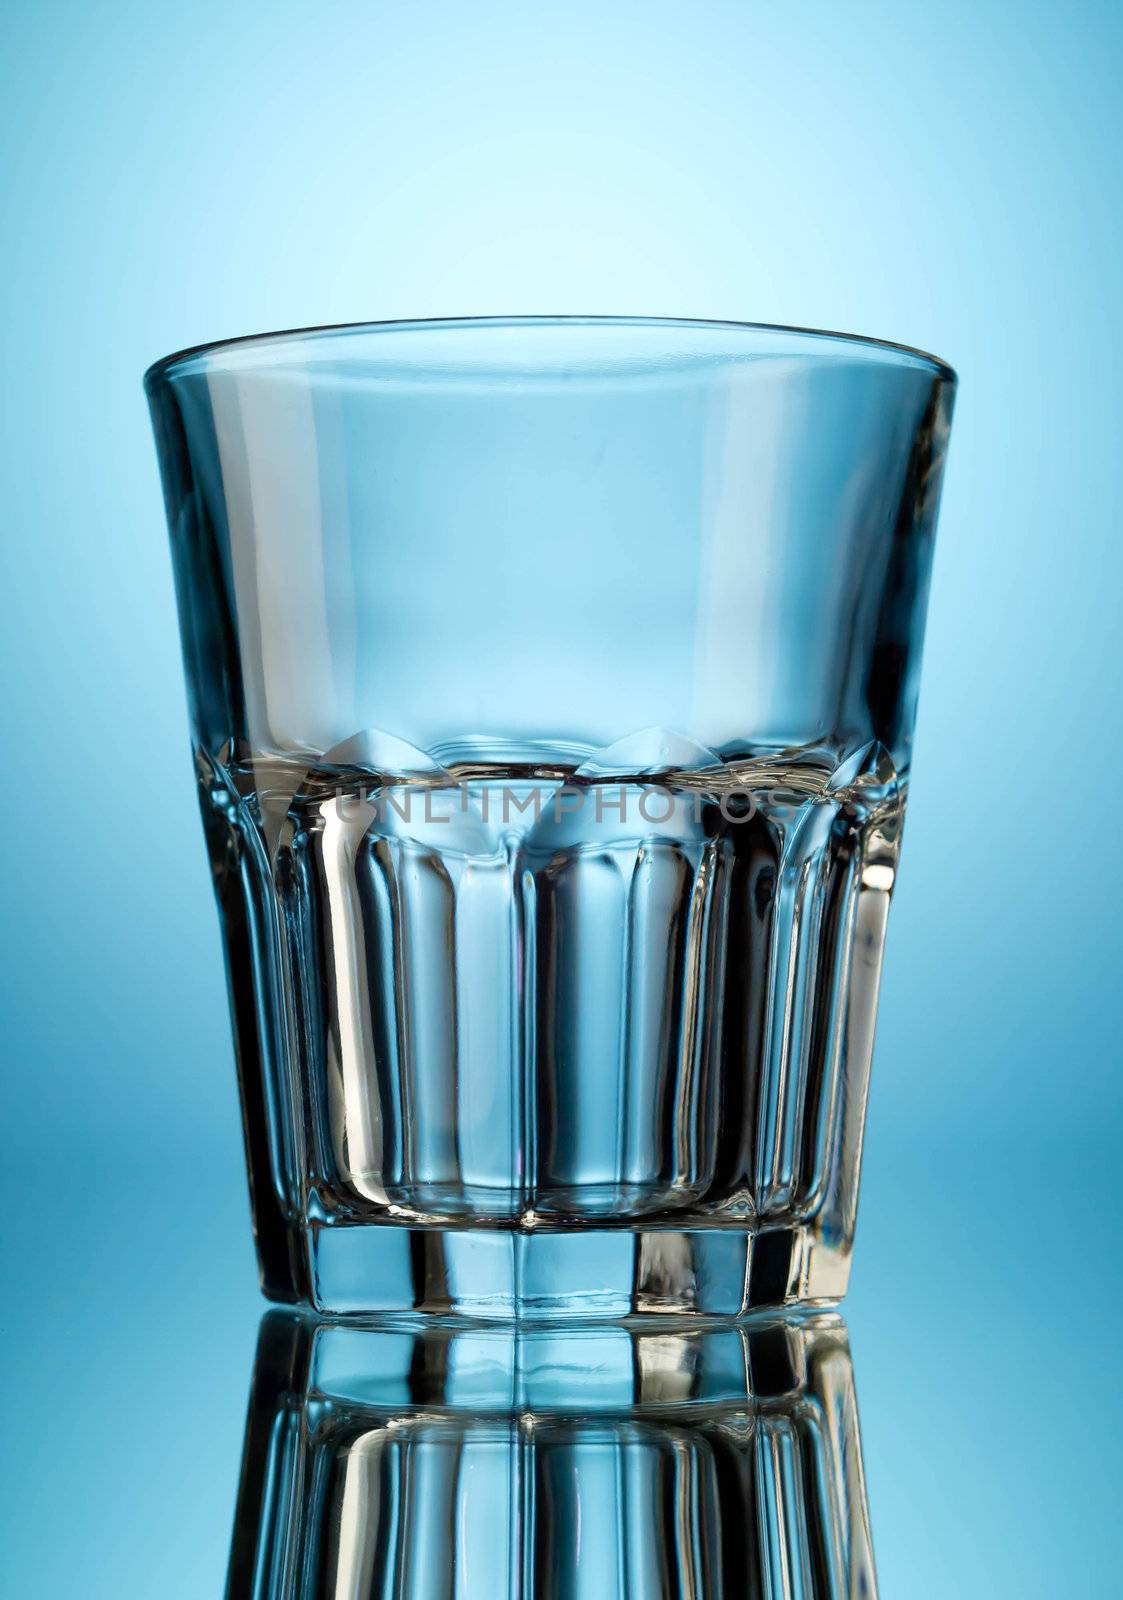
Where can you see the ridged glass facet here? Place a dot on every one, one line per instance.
(614, 1465)
(552, 685)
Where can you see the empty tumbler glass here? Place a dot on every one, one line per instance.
(552, 683)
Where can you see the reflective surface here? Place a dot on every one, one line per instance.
(990, 1411)
(618, 1464)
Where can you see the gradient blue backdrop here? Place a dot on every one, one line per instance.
(948, 175)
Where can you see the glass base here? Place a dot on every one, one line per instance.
(501, 1275)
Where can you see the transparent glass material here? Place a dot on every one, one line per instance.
(591, 1464)
(552, 684)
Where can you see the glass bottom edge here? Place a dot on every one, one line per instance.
(609, 1274)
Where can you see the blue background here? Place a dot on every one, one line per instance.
(948, 175)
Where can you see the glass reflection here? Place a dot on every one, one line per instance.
(599, 1463)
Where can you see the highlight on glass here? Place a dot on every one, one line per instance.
(552, 684)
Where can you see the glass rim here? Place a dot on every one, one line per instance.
(891, 352)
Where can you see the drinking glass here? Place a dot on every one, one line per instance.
(591, 1463)
(552, 685)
